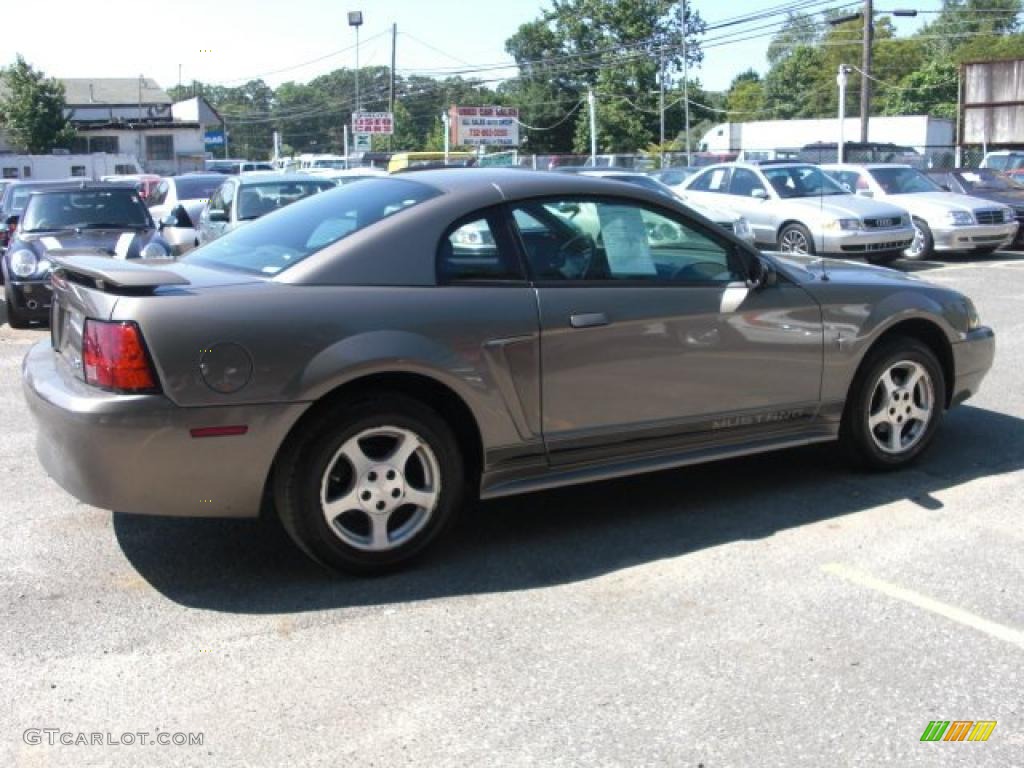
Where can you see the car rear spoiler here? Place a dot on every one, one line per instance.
(113, 274)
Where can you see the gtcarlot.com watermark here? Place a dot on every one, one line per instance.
(54, 737)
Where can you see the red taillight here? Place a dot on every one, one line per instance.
(113, 357)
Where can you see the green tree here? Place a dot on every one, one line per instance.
(32, 109)
(800, 30)
(928, 91)
(793, 87)
(745, 98)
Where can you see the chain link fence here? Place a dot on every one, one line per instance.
(935, 157)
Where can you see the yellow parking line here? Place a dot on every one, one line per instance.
(968, 619)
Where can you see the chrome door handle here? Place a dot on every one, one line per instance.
(588, 320)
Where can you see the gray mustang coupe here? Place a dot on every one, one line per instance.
(371, 359)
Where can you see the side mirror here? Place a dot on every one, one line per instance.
(763, 275)
(945, 187)
(759, 194)
(865, 193)
(218, 214)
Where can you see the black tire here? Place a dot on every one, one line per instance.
(927, 249)
(305, 461)
(15, 317)
(793, 232)
(856, 434)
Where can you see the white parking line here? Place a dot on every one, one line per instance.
(968, 619)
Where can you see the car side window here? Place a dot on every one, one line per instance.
(714, 180)
(745, 183)
(217, 200)
(614, 241)
(159, 194)
(475, 249)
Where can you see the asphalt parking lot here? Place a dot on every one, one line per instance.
(779, 610)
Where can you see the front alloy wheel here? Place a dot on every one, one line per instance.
(902, 406)
(895, 404)
(795, 238)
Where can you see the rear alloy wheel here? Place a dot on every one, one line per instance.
(372, 484)
(796, 238)
(923, 244)
(896, 404)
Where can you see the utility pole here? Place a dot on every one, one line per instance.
(138, 120)
(391, 93)
(593, 126)
(865, 76)
(686, 81)
(841, 82)
(661, 103)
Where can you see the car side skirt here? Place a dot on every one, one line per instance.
(533, 476)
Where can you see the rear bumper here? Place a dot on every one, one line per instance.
(972, 359)
(134, 453)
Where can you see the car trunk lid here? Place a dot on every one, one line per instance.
(89, 285)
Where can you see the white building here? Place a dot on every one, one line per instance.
(135, 116)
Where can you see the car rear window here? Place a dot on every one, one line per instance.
(199, 188)
(273, 243)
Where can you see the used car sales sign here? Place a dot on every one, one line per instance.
(486, 126)
(373, 122)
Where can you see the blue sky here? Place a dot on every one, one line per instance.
(226, 41)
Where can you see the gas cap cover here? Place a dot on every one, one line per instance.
(225, 367)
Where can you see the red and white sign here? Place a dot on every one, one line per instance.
(485, 126)
(373, 122)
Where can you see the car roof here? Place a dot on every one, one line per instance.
(758, 166)
(275, 178)
(867, 166)
(516, 183)
(90, 186)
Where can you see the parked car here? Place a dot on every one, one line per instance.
(176, 205)
(987, 184)
(13, 200)
(798, 209)
(342, 177)
(240, 200)
(235, 167)
(943, 221)
(144, 183)
(675, 177)
(1004, 161)
(722, 216)
(346, 359)
(100, 218)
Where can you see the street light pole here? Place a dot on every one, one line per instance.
(355, 19)
(841, 81)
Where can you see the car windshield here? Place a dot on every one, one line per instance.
(85, 209)
(903, 181)
(801, 181)
(255, 200)
(277, 242)
(197, 188)
(985, 179)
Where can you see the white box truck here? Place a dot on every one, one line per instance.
(59, 166)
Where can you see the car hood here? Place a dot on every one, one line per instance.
(814, 269)
(124, 243)
(940, 202)
(844, 207)
(1012, 198)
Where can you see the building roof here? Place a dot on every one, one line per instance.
(102, 91)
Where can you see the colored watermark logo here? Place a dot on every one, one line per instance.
(958, 730)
